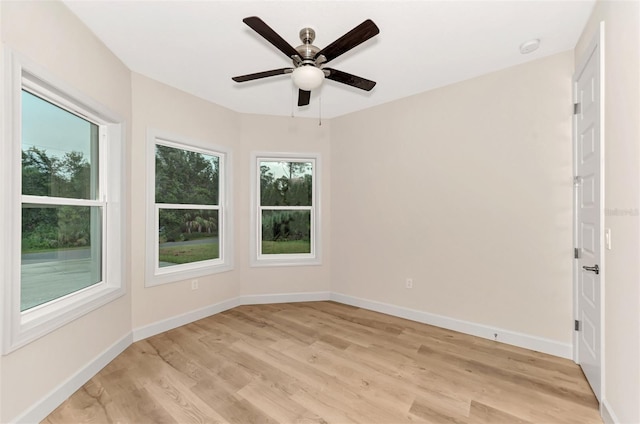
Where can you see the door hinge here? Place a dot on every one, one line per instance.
(576, 253)
(576, 325)
(576, 108)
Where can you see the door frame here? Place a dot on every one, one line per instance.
(596, 46)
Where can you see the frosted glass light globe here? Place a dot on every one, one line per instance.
(307, 78)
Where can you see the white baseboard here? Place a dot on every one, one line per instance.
(141, 333)
(526, 341)
(51, 401)
(606, 412)
(189, 317)
(259, 299)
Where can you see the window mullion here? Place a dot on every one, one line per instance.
(60, 201)
(103, 181)
(186, 206)
(286, 208)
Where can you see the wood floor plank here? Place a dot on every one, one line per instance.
(139, 406)
(432, 414)
(312, 383)
(491, 368)
(508, 359)
(181, 402)
(480, 413)
(521, 400)
(325, 362)
(282, 409)
(372, 386)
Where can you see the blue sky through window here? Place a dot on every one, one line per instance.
(53, 129)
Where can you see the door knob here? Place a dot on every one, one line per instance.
(592, 268)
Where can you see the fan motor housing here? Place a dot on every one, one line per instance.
(307, 51)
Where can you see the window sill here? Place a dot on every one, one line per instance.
(181, 274)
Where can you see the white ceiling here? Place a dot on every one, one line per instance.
(197, 46)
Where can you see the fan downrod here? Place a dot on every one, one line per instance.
(307, 50)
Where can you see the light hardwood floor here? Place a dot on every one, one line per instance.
(324, 362)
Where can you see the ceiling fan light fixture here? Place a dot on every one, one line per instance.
(307, 77)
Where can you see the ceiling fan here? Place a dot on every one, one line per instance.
(308, 72)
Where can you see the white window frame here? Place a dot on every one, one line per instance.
(300, 259)
(20, 327)
(156, 275)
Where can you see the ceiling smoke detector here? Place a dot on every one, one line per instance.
(529, 46)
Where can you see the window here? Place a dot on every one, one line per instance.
(61, 204)
(187, 225)
(63, 153)
(286, 214)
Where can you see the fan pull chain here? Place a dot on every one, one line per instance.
(292, 99)
(320, 111)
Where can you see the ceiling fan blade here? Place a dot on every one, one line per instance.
(351, 39)
(265, 74)
(353, 80)
(303, 97)
(270, 35)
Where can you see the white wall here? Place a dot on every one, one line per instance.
(163, 108)
(48, 34)
(282, 135)
(621, 391)
(160, 107)
(466, 189)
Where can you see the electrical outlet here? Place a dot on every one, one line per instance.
(409, 283)
(194, 284)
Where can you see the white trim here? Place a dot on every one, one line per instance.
(167, 324)
(21, 328)
(607, 414)
(61, 201)
(526, 341)
(603, 277)
(315, 257)
(155, 275)
(189, 317)
(37, 81)
(39, 410)
(261, 299)
(6, 191)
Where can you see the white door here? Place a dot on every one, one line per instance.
(588, 269)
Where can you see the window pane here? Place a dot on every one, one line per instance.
(61, 251)
(187, 235)
(59, 151)
(286, 231)
(186, 177)
(286, 183)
